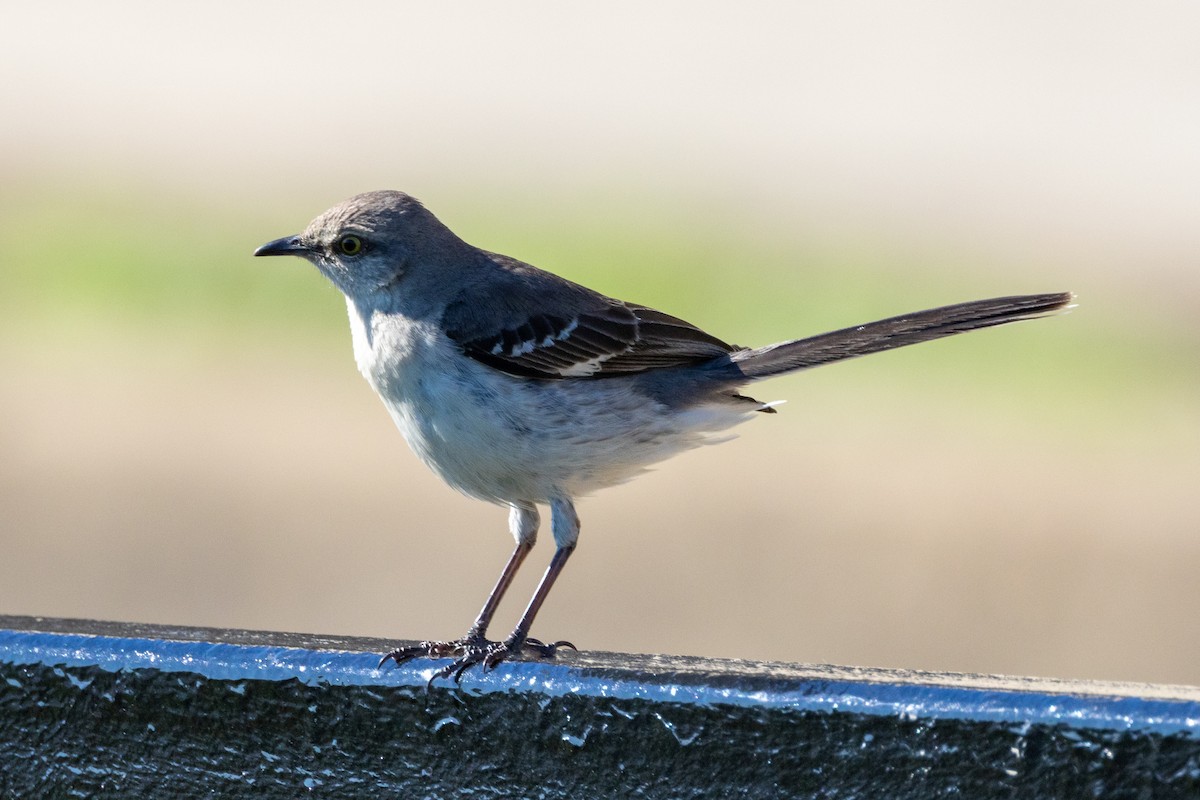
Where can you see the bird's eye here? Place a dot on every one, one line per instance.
(350, 245)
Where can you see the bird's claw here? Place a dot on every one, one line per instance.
(431, 650)
(470, 652)
(544, 650)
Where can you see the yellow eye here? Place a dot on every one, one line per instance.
(350, 245)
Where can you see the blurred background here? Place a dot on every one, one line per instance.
(184, 437)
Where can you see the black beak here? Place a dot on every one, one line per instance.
(287, 246)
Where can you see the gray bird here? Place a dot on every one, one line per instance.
(522, 388)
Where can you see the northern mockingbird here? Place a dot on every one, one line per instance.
(522, 388)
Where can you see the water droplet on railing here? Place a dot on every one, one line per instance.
(444, 721)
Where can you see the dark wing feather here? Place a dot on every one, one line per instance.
(537, 325)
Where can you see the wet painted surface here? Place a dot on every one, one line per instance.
(106, 710)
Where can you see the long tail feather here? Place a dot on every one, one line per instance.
(921, 326)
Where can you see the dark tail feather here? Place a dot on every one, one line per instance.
(886, 334)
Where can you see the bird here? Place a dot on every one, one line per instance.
(525, 389)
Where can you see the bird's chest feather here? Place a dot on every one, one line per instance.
(457, 416)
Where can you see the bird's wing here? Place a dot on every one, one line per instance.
(530, 323)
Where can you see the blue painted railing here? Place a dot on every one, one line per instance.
(95, 709)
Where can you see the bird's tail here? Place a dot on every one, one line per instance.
(886, 334)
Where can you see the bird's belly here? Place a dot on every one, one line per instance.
(502, 438)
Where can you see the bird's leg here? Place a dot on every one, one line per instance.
(523, 520)
(489, 654)
(478, 630)
(520, 635)
(565, 525)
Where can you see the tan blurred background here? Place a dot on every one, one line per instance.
(184, 437)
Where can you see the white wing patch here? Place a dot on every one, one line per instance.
(567, 331)
(529, 345)
(586, 368)
(523, 348)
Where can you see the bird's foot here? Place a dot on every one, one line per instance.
(434, 650)
(471, 651)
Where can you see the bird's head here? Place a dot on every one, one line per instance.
(369, 243)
